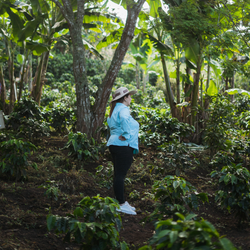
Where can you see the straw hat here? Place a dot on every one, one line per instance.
(122, 91)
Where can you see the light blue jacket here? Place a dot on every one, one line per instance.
(122, 123)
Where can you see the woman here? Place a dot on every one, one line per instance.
(123, 142)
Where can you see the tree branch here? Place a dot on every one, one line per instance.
(66, 10)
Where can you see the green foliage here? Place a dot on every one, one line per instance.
(156, 126)
(104, 175)
(52, 191)
(153, 78)
(128, 75)
(60, 117)
(99, 229)
(242, 103)
(14, 157)
(234, 190)
(174, 194)
(220, 121)
(26, 108)
(82, 148)
(176, 156)
(221, 158)
(60, 64)
(27, 120)
(187, 233)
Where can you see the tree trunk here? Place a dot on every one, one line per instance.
(195, 92)
(144, 81)
(29, 73)
(232, 85)
(174, 110)
(22, 72)
(3, 90)
(37, 80)
(208, 76)
(12, 82)
(178, 77)
(137, 75)
(226, 83)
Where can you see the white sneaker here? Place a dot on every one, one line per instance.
(133, 208)
(126, 209)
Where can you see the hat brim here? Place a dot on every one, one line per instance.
(131, 92)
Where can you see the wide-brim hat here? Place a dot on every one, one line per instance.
(122, 91)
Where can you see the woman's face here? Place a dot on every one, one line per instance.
(127, 100)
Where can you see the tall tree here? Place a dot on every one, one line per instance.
(90, 118)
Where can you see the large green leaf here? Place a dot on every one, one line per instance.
(16, 21)
(216, 67)
(237, 91)
(227, 244)
(212, 89)
(96, 17)
(113, 37)
(20, 58)
(192, 51)
(36, 47)
(153, 6)
(92, 49)
(30, 28)
(161, 47)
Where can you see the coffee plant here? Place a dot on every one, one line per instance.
(52, 191)
(157, 126)
(27, 120)
(220, 159)
(175, 194)
(234, 190)
(176, 156)
(95, 224)
(220, 121)
(82, 148)
(104, 175)
(14, 157)
(60, 118)
(187, 233)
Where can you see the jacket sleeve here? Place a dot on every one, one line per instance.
(124, 116)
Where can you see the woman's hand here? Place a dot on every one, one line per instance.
(122, 138)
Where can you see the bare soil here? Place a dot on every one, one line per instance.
(24, 206)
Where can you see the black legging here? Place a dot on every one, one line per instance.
(122, 159)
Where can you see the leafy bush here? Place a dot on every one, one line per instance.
(175, 195)
(219, 123)
(234, 190)
(100, 226)
(188, 234)
(176, 156)
(14, 157)
(49, 96)
(128, 75)
(157, 127)
(25, 108)
(60, 117)
(27, 120)
(80, 147)
(104, 175)
(33, 129)
(242, 103)
(60, 64)
(221, 158)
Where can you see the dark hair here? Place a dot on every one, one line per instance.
(112, 105)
